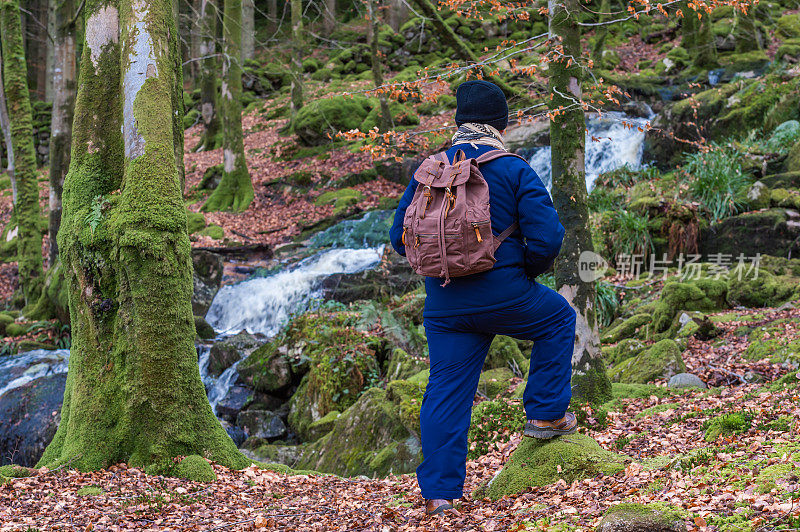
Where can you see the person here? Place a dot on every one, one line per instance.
(462, 318)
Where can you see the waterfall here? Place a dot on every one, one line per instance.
(19, 370)
(264, 304)
(618, 144)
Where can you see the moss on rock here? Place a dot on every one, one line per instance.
(495, 382)
(195, 467)
(402, 365)
(701, 294)
(203, 329)
(637, 517)
(320, 119)
(625, 349)
(504, 352)
(627, 329)
(537, 463)
(662, 360)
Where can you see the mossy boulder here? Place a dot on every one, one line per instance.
(637, 517)
(628, 328)
(402, 365)
(402, 115)
(701, 294)
(770, 232)
(789, 26)
(505, 353)
(340, 199)
(230, 350)
(369, 438)
(196, 221)
(323, 426)
(343, 362)
(16, 329)
(542, 462)
(15, 471)
(203, 329)
(196, 468)
(764, 290)
(770, 342)
(319, 120)
(214, 232)
(495, 382)
(662, 360)
(625, 349)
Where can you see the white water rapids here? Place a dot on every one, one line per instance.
(618, 145)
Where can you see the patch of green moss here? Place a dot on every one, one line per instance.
(203, 329)
(495, 382)
(15, 471)
(701, 294)
(89, 491)
(769, 477)
(725, 424)
(660, 361)
(542, 462)
(631, 327)
(770, 342)
(402, 365)
(16, 329)
(196, 468)
(789, 26)
(340, 199)
(319, 120)
(195, 222)
(407, 395)
(213, 231)
(627, 348)
(637, 516)
(504, 352)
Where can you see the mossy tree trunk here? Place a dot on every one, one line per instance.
(64, 88)
(5, 125)
(26, 205)
(209, 69)
(235, 189)
(567, 141)
(248, 30)
(133, 390)
(377, 73)
(297, 60)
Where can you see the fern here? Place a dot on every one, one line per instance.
(95, 214)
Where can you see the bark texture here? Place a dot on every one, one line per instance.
(64, 88)
(589, 380)
(26, 206)
(297, 59)
(209, 70)
(133, 391)
(235, 189)
(377, 73)
(248, 30)
(329, 16)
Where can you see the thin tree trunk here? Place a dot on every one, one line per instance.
(329, 16)
(5, 125)
(65, 87)
(52, 6)
(133, 391)
(272, 11)
(567, 141)
(26, 206)
(297, 60)
(398, 14)
(451, 38)
(745, 30)
(235, 189)
(248, 30)
(385, 123)
(209, 70)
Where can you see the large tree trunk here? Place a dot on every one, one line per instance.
(297, 59)
(133, 390)
(589, 380)
(329, 16)
(212, 138)
(235, 189)
(248, 30)
(26, 207)
(377, 74)
(64, 87)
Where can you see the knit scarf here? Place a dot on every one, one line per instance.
(471, 133)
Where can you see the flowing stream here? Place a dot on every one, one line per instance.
(615, 145)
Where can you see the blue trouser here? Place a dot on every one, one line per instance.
(458, 346)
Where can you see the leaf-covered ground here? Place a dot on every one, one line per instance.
(745, 479)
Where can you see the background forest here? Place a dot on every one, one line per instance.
(195, 203)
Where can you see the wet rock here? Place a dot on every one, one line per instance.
(261, 424)
(686, 380)
(203, 329)
(206, 279)
(227, 352)
(235, 400)
(394, 277)
(237, 434)
(269, 368)
(30, 415)
(634, 517)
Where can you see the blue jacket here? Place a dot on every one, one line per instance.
(517, 194)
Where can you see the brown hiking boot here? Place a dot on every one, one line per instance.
(544, 430)
(437, 506)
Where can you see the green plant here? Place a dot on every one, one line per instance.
(95, 214)
(631, 235)
(716, 180)
(606, 302)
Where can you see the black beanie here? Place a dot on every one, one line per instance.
(481, 102)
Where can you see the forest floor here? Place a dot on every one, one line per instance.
(746, 480)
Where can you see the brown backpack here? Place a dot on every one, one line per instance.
(447, 229)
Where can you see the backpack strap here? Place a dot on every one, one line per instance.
(505, 234)
(496, 154)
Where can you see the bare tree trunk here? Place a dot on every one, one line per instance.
(248, 30)
(398, 14)
(133, 391)
(209, 71)
(26, 205)
(297, 59)
(329, 16)
(272, 11)
(65, 87)
(589, 379)
(385, 123)
(5, 125)
(235, 190)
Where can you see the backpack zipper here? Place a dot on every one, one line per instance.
(477, 230)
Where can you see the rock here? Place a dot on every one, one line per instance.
(261, 424)
(528, 134)
(402, 365)
(203, 329)
(399, 171)
(701, 294)
(259, 450)
(236, 433)
(625, 349)
(271, 368)
(369, 438)
(505, 353)
(227, 352)
(323, 426)
(542, 462)
(394, 277)
(662, 360)
(766, 232)
(233, 402)
(207, 279)
(626, 329)
(758, 196)
(495, 382)
(766, 290)
(30, 414)
(319, 119)
(686, 380)
(635, 517)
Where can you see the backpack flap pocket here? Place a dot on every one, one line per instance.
(479, 238)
